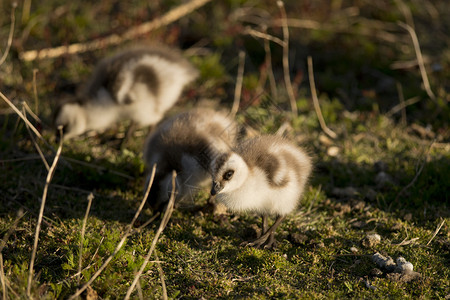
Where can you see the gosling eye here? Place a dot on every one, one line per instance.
(228, 174)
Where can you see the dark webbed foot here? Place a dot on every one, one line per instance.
(267, 239)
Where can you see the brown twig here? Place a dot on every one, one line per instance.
(285, 59)
(423, 71)
(90, 197)
(436, 231)
(127, 233)
(51, 171)
(114, 39)
(163, 224)
(11, 33)
(315, 99)
(238, 87)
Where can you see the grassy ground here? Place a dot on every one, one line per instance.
(387, 172)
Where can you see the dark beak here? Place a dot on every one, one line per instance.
(216, 188)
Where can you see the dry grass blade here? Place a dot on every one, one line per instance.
(11, 33)
(406, 242)
(268, 62)
(3, 279)
(285, 59)
(41, 154)
(161, 275)
(163, 224)
(28, 109)
(420, 60)
(238, 87)
(51, 171)
(263, 35)
(121, 242)
(436, 231)
(83, 229)
(114, 39)
(312, 85)
(36, 100)
(21, 115)
(402, 106)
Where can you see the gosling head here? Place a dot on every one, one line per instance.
(229, 173)
(71, 117)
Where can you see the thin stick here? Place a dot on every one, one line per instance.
(312, 85)
(163, 224)
(238, 87)
(21, 115)
(402, 106)
(2, 278)
(41, 213)
(263, 35)
(423, 71)
(41, 154)
(268, 60)
(36, 100)
(406, 12)
(436, 231)
(161, 276)
(90, 197)
(140, 294)
(128, 231)
(406, 242)
(28, 109)
(26, 11)
(286, 71)
(11, 33)
(114, 39)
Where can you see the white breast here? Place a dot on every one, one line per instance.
(257, 195)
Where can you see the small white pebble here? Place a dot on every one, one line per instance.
(333, 151)
(354, 249)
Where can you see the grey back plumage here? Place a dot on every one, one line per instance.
(199, 135)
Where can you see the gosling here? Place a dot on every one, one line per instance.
(186, 143)
(265, 174)
(138, 84)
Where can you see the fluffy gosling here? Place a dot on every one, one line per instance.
(265, 174)
(138, 84)
(186, 143)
